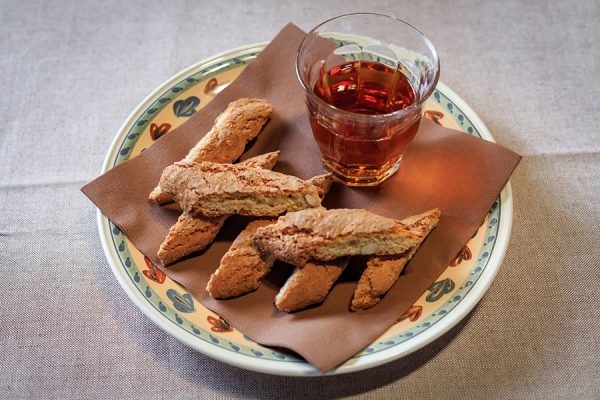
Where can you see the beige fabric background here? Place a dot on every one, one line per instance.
(71, 73)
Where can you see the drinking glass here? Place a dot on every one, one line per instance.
(365, 77)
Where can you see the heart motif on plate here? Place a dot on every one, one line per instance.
(187, 107)
(464, 254)
(219, 324)
(153, 273)
(181, 302)
(439, 289)
(156, 131)
(413, 314)
(433, 115)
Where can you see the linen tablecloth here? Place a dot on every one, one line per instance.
(73, 71)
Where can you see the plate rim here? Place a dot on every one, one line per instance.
(305, 369)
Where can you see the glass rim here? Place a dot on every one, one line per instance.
(309, 93)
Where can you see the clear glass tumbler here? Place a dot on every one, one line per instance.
(366, 77)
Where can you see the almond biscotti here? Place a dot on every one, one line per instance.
(188, 235)
(212, 190)
(309, 284)
(194, 233)
(242, 121)
(242, 267)
(264, 161)
(383, 271)
(322, 234)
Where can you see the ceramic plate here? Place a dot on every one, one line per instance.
(168, 304)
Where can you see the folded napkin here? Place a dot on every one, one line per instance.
(454, 171)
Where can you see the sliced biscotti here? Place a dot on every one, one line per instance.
(193, 233)
(242, 267)
(242, 121)
(265, 161)
(383, 271)
(212, 189)
(188, 235)
(309, 284)
(322, 234)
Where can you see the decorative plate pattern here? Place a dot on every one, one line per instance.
(168, 304)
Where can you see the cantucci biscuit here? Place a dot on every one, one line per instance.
(242, 267)
(383, 271)
(212, 190)
(192, 233)
(242, 121)
(320, 234)
(309, 284)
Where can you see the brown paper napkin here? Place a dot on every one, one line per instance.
(443, 168)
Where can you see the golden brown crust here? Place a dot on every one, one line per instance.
(188, 235)
(321, 234)
(160, 197)
(383, 271)
(322, 182)
(212, 189)
(242, 267)
(265, 161)
(242, 121)
(309, 284)
(192, 233)
(377, 278)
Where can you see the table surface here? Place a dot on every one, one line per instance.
(72, 72)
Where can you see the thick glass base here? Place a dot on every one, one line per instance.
(361, 175)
